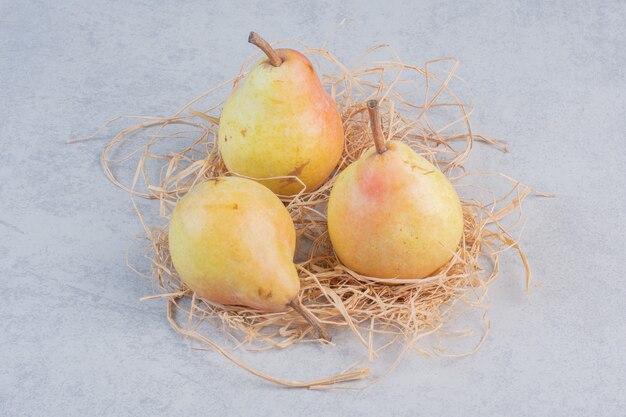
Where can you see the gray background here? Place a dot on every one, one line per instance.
(74, 339)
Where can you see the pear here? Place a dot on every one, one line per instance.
(232, 242)
(280, 122)
(393, 214)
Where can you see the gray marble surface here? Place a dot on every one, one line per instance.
(74, 339)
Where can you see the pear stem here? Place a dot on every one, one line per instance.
(256, 40)
(377, 131)
(320, 330)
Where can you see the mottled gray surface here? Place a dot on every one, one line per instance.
(75, 340)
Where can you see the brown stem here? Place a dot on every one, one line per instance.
(320, 330)
(377, 131)
(256, 40)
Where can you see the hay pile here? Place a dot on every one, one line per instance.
(427, 108)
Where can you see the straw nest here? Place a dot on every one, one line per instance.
(428, 108)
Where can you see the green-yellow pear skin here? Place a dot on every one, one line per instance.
(394, 214)
(232, 242)
(280, 122)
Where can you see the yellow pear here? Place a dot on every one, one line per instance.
(232, 241)
(280, 122)
(393, 214)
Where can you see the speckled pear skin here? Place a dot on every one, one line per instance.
(280, 122)
(232, 242)
(394, 215)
